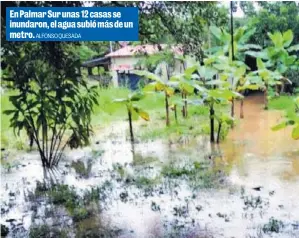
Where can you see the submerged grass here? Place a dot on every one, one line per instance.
(144, 181)
(141, 160)
(46, 232)
(197, 174)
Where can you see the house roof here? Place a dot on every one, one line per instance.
(142, 49)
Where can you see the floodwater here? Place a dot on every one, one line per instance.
(156, 189)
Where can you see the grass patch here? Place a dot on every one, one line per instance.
(8, 139)
(108, 112)
(196, 124)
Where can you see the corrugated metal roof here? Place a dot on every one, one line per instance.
(141, 49)
(96, 62)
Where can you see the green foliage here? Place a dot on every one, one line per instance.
(133, 108)
(292, 119)
(165, 20)
(134, 111)
(159, 84)
(49, 101)
(80, 213)
(164, 55)
(292, 75)
(285, 103)
(64, 195)
(241, 37)
(279, 54)
(274, 61)
(85, 53)
(273, 17)
(46, 231)
(41, 231)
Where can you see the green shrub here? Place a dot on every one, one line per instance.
(273, 226)
(40, 231)
(80, 213)
(44, 231)
(64, 195)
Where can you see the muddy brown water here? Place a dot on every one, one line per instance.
(252, 156)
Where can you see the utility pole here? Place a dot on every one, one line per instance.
(111, 49)
(233, 53)
(232, 29)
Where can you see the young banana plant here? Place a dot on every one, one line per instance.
(133, 110)
(186, 84)
(159, 85)
(278, 54)
(244, 84)
(241, 36)
(218, 96)
(291, 120)
(233, 72)
(265, 79)
(222, 119)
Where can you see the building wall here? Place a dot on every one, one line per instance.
(127, 63)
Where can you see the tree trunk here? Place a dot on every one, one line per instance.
(186, 108)
(209, 38)
(218, 133)
(175, 114)
(277, 90)
(31, 142)
(282, 87)
(212, 113)
(167, 109)
(233, 108)
(241, 109)
(266, 98)
(30, 137)
(131, 126)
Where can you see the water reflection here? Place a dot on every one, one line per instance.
(253, 139)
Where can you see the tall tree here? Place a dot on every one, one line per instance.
(176, 22)
(272, 17)
(51, 98)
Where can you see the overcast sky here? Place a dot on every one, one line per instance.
(239, 12)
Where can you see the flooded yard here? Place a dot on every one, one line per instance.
(245, 187)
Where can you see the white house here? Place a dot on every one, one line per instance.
(126, 59)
